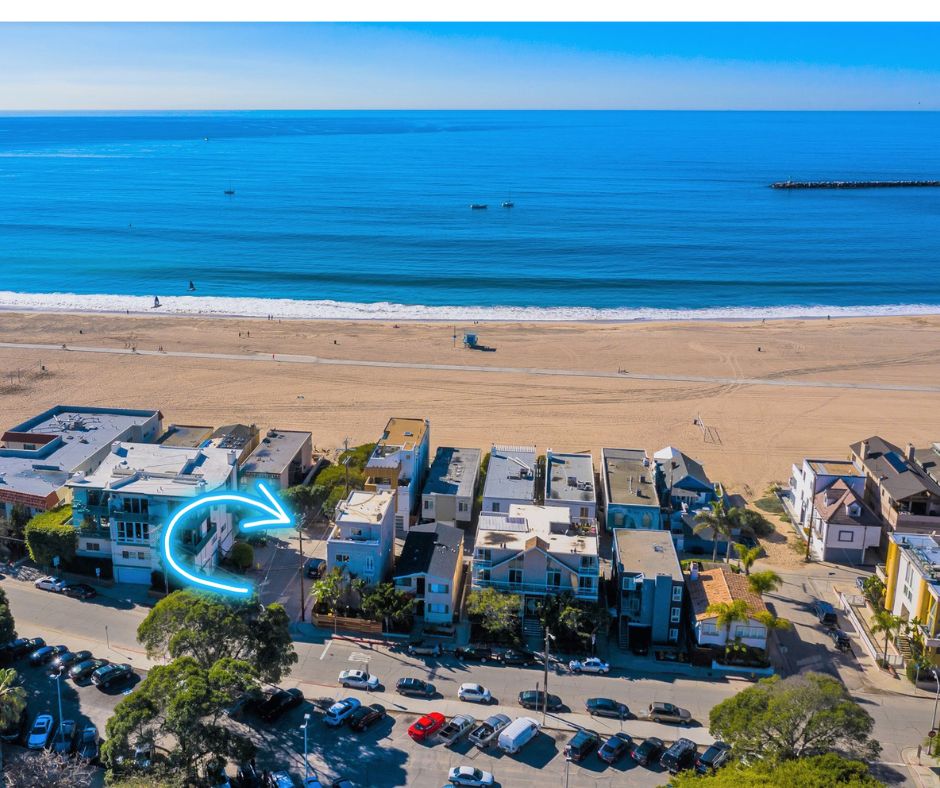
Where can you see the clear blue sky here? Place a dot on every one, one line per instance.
(474, 66)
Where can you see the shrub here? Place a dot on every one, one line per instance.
(50, 534)
(242, 555)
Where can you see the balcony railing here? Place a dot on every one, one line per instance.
(930, 641)
(338, 536)
(533, 588)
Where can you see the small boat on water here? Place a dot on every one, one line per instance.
(478, 206)
(509, 204)
(230, 192)
(192, 286)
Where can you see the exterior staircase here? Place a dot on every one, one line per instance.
(532, 629)
(903, 643)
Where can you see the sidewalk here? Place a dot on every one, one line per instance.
(923, 770)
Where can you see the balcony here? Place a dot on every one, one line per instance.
(365, 539)
(930, 641)
(534, 588)
(199, 546)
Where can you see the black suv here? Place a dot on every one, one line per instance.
(840, 640)
(107, 675)
(42, 655)
(474, 653)
(582, 744)
(280, 702)
(826, 614)
(366, 716)
(648, 752)
(417, 687)
(524, 658)
(679, 757)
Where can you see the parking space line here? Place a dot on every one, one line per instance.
(326, 648)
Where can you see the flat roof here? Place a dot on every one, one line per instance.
(453, 472)
(924, 550)
(234, 436)
(154, 469)
(630, 477)
(649, 553)
(403, 433)
(523, 522)
(510, 473)
(188, 435)
(834, 468)
(433, 549)
(275, 452)
(363, 506)
(78, 434)
(569, 477)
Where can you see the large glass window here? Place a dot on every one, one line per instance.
(515, 575)
(553, 577)
(133, 532)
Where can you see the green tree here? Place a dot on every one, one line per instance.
(726, 613)
(242, 555)
(781, 719)
(874, 591)
(817, 771)
(181, 704)
(50, 534)
(764, 582)
(301, 498)
(388, 604)
(885, 621)
(329, 589)
(747, 556)
(12, 698)
(209, 628)
(7, 624)
(751, 522)
(498, 612)
(717, 519)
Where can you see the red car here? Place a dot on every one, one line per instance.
(427, 726)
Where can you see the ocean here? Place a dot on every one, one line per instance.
(617, 215)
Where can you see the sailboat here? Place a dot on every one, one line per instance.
(508, 203)
(192, 286)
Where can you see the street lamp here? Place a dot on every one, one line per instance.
(933, 725)
(548, 636)
(304, 729)
(58, 686)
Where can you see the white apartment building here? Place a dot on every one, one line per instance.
(362, 542)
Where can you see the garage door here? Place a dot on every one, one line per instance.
(132, 574)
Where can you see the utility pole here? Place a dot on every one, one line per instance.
(300, 531)
(346, 463)
(545, 699)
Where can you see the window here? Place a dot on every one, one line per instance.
(438, 588)
(484, 554)
(342, 558)
(94, 546)
(584, 513)
(133, 532)
(462, 506)
(553, 577)
(496, 506)
(677, 593)
(585, 583)
(141, 556)
(755, 633)
(436, 608)
(675, 614)
(370, 563)
(403, 581)
(135, 505)
(485, 575)
(673, 634)
(515, 575)
(633, 604)
(846, 536)
(428, 504)
(587, 561)
(708, 628)
(399, 521)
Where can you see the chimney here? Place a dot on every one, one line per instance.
(232, 457)
(910, 452)
(693, 570)
(864, 454)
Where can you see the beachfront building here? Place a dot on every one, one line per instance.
(451, 486)
(912, 584)
(430, 569)
(536, 551)
(38, 456)
(842, 527)
(721, 585)
(510, 478)
(120, 508)
(687, 486)
(569, 481)
(650, 589)
(241, 438)
(630, 489)
(362, 541)
(282, 459)
(399, 463)
(812, 477)
(904, 495)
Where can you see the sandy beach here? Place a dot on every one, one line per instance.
(576, 398)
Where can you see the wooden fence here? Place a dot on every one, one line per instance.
(359, 625)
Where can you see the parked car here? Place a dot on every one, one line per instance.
(713, 758)
(366, 716)
(81, 671)
(88, 744)
(314, 567)
(15, 649)
(648, 752)
(110, 674)
(32, 644)
(615, 748)
(474, 693)
(523, 658)
(607, 707)
(248, 775)
(470, 775)
(16, 731)
(47, 583)
(454, 730)
(41, 732)
(667, 712)
(487, 731)
(535, 699)
(249, 701)
(279, 703)
(424, 649)
(358, 679)
(423, 729)
(589, 665)
(840, 639)
(65, 660)
(679, 757)
(582, 744)
(415, 687)
(517, 734)
(474, 653)
(79, 591)
(340, 711)
(826, 613)
(65, 740)
(43, 655)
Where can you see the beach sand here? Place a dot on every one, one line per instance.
(755, 432)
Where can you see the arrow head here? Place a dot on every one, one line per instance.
(278, 517)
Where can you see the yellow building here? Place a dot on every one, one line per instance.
(912, 587)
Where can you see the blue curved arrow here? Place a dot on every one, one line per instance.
(275, 517)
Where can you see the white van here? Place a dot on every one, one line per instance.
(518, 734)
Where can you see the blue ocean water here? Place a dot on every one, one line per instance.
(629, 213)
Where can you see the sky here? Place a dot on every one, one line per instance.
(726, 66)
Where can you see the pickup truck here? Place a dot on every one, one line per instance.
(456, 728)
(488, 731)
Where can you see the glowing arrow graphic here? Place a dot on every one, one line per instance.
(275, 517)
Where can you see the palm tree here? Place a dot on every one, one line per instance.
(885, 621)
(764, 582)
(726, 613)
(718, 520)
(747, 556)
(771, 621)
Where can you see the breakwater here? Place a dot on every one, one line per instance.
(851, 184)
